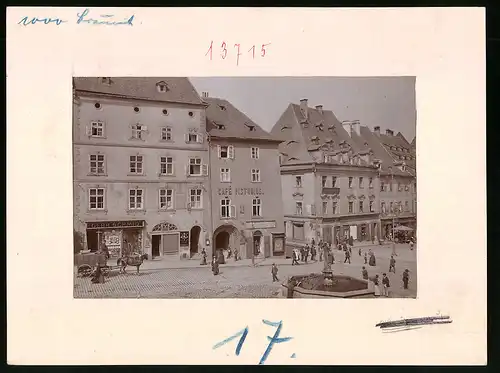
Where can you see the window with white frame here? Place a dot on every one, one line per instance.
(370, 182)
(255, 175)
(96, 129)
(298, 208)
(407, 207)
(351, 207)
(361, 206)
(166, 165)
(225, 175)
(361, 182)
(334, 181)
(96, 198)
(371, 205)
(325, 207)
(166, 133)
(136, 199)
(225, 208)
(382, 186)
(255, 153)
(382, 207)
(166, 199)
(226, 151)
(323, 181)
(334, 207)
(97, 164)
(136, 163)
(195, 198)
(137, 131)
(298, 181)
(350, 182)
(193, 137)
(195, 166)
(256, 207)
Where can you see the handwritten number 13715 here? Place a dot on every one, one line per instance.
(237, 49)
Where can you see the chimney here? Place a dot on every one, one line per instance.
(389, 132)
(320, 109)
(376, 130)
(356, 127)
(303, 107)
(204, 94)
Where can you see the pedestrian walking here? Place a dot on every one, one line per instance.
(321, 249)
(215, 266)
(385, 285)
(411, 244)
(313, 252)
(376, 286)
(229, 252)
(406, 278)
(274, 272)
(392, 264)
(351, 241)
(372, 262)
(295, 257)
(359, 251)
(306, 254)
(203, 257)
(364, 272)
(366, 258)
(302, 253)
(347, 257)
(236, 253)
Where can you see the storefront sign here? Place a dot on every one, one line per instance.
(240, 191)
(260, 224)
(115, 224)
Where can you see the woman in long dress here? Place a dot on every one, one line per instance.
(376, 285)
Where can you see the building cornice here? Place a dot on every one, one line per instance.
(162, 146)
(215, 138)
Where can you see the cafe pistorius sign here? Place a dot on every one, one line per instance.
(240, 191)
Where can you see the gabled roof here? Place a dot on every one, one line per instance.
(236, 124)
(180, 89)
(320, 128)
(381, 152)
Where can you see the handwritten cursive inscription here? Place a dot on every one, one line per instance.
(26, 21)
(81, 18)
(106, 19)
(275, 339)
(237, 50)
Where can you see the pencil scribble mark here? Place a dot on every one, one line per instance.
(414, 323)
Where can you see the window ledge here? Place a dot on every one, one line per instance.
(226, 182)
(97, 137)
(170, 210)
(165, 175)
(95, 174)
(136, 211)
(131, 174)
(136, 139)
(256, 182)
(97, 211)
(161, 140)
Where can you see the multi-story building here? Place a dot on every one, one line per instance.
(140, 165)
(329, 175)
(397, 179)
(245, 181)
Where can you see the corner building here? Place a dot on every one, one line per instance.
(245, 181)
(140, 166)
(330, 177)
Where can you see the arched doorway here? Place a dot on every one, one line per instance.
(257, 243)
(224, 237)
(194, 239)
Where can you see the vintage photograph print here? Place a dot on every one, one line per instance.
(244, 187)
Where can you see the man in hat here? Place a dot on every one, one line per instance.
(406, 278)
(274, 272)
(385, 285)
(364, 272)
(392, 264)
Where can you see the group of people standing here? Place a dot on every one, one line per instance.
(381, 286)
(219, 259)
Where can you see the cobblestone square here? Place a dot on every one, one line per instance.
(155, 280)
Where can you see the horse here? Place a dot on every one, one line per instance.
(134, 259)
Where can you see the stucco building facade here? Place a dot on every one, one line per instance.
(330, 177)
(140, 158)
(245, 183)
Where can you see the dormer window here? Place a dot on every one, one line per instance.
(319, 126)
(162, 87)
(250, 126)
(106, 81)
(291, 142)
(220, 126)
(315, 139)
(222, 107)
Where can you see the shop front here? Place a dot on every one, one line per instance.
(117, 237)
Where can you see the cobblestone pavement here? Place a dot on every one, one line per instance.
(240, 282)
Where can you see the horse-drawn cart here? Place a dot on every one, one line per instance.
(86, 262)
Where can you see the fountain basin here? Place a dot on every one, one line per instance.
(313, 286)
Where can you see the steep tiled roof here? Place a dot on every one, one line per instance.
(321, 128)
(179, 89)
(225, 120)
(381, 152)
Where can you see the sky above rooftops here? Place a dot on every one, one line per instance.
(388, 102)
